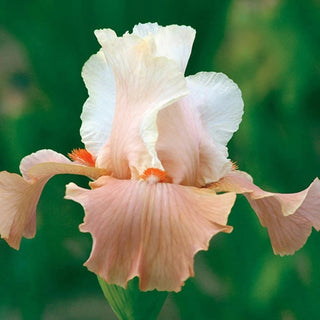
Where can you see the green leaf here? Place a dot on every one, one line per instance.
(131, 303)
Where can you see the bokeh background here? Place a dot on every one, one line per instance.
(270, 48)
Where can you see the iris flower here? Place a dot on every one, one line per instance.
(155, 148)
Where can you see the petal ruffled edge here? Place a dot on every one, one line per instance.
(147, 230)
(289, 218)
(98, 111)
(19, 196)
(219, 102)
(173, 41)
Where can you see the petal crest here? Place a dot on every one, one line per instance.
(289, 218)
(147, 230)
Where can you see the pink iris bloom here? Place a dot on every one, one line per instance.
(163, 185)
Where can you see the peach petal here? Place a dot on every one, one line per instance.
(18, 199)
(289, 218)
(19, 196)
(148, 230)
(185, 150)
(47, 163)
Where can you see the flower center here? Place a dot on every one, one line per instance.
(154, 175)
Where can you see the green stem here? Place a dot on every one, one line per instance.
(131, 303)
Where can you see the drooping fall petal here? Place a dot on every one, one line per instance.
(144, 84)
(149, 230)
(288, 217)
(19, 196)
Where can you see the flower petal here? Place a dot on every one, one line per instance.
(184, 148)
(194, 132)
(148, 230)
(219, 102)
(174, 42)
(19, 196)
(144, 85)
(98, 110)
(288, 217)
(18, 199)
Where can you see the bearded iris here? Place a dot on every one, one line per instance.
(155, 148)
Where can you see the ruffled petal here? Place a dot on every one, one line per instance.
(19, 196)
(144, 84)
(219, 102)
(194, 132)
(174, 42)
(18, 199)
(98, 110)
(288, 217)
(148, 230)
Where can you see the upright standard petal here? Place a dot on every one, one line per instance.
(149, 230)
(19, 196)
(193, 133)
(174, 42)
(98, 110)
(288, 217)
(144, 84)
(219, 101)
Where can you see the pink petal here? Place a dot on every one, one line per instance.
(18, 199)
(19, 196)
(288, 217)
(144, 85)
(148, 230)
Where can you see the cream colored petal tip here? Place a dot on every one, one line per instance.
(147, 230)
(173, 42)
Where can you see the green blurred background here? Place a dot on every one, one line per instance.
(269, 48)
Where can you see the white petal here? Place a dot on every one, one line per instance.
(219, 102)
(174, 42)
(98, 110)
(143, 30)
